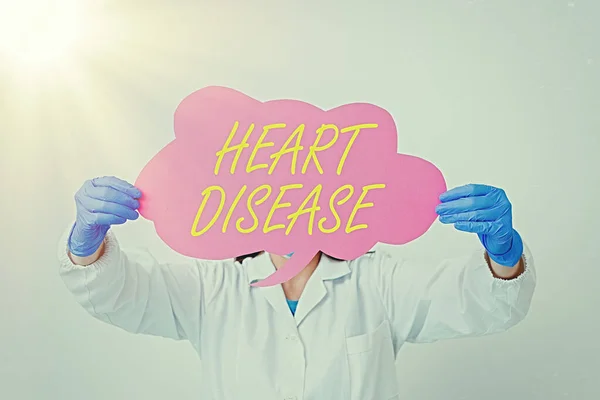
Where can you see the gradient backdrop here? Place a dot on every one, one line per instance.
(502, 92)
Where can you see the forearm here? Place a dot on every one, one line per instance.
(132, 290)
(505, 272)
(458, 298)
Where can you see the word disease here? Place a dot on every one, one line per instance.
(308, 193)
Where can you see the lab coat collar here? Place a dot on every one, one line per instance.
(330, 268)
(259, 267)
(314, 292)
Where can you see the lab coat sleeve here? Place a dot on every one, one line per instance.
(458, 298)
(135, 292)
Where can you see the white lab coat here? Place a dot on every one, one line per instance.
(351, 321)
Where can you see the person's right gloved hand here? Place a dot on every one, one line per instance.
(101, 202)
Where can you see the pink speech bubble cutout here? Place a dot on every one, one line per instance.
(174, 180)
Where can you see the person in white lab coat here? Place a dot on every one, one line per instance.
(332, 332)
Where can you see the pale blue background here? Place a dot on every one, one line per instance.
(500, 92)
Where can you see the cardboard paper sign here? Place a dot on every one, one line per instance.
(285, 176)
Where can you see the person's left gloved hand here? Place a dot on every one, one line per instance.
(486, 211)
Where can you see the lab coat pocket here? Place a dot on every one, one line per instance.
(371, 365)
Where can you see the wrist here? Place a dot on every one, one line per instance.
(84, 245)
(512, 255)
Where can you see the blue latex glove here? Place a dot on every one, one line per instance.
(486, 211)
(101, 202)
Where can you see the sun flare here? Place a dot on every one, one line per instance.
(41, 34)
